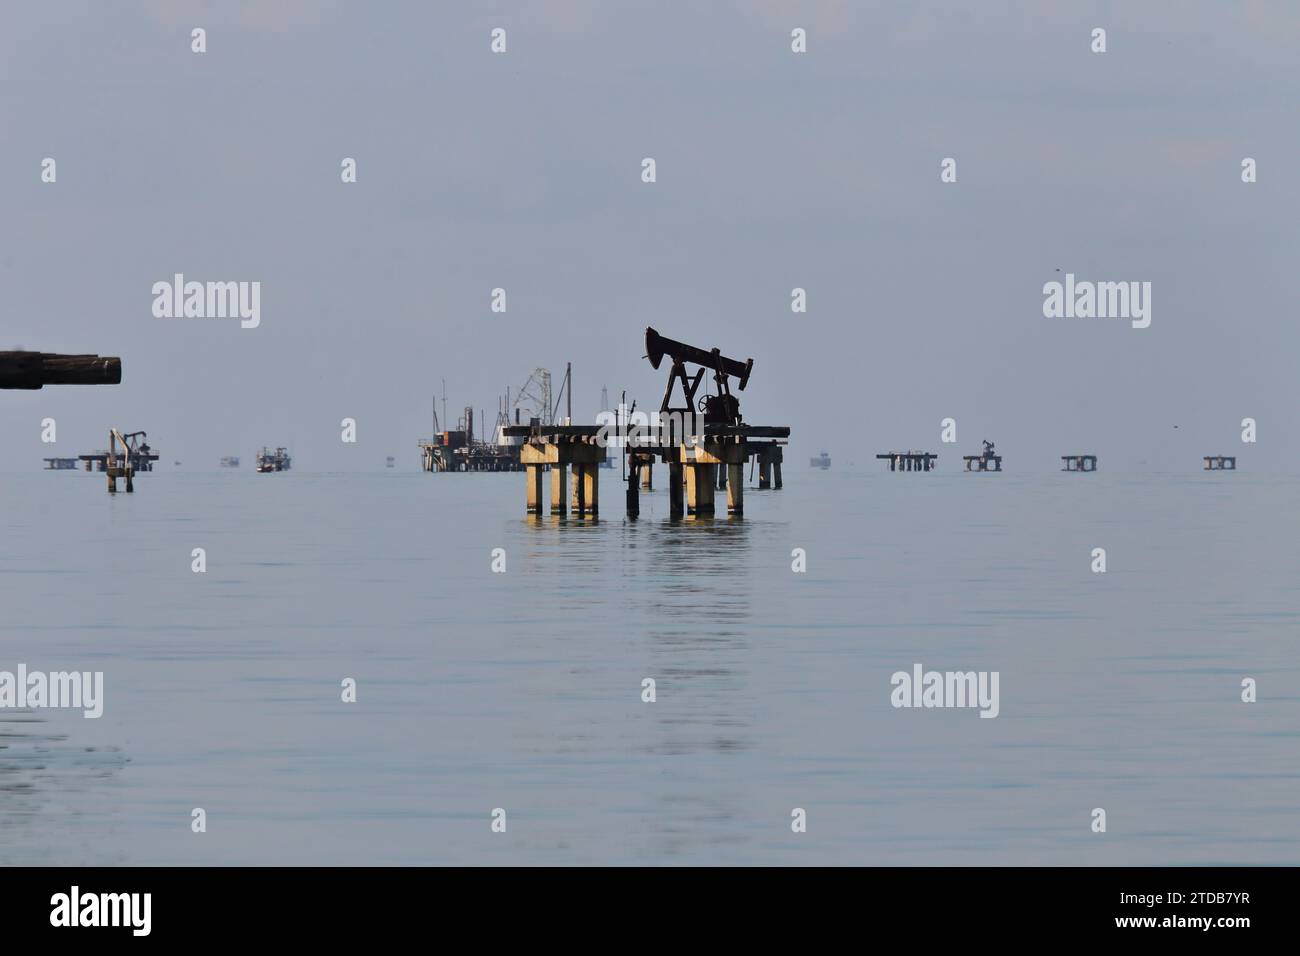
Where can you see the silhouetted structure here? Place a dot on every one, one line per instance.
(694, 439)
(909, 460)
(135, 455)
(32, 370)
(1079, 462)
(985, 462)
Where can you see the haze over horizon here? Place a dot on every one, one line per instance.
(775, 170)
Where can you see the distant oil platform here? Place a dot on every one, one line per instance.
(136, 452)
(989, 460)
(460, 449)
(910, 460)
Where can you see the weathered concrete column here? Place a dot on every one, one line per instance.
(699, 489)
(736, 489)
(707, 468)
(560, 487)
(534, 484)
(764, 472)
(675, 508)
(579, 497)
(692, 488)
(776, 473)
(585, 500)
(591, 487)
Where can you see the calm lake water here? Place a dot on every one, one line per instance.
(522, 690)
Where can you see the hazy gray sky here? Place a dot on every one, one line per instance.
(775, 170)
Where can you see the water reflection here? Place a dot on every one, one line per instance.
(696, 618)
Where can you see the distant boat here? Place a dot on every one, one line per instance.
(230, 461)
(392, 462)
(821, 461)
(268, 460)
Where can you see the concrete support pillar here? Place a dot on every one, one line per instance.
(764, 472)
(591, 487)
(692, 488)
(560, 487)
(699, 490)
(776, 474)
(534, 484)
(579, 499)
(736, 489)
(646, 479)
(585, 500)
(675, 508)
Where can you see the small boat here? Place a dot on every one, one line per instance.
(268, 460)
(821, 461)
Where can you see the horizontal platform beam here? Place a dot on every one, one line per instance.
(590, 431)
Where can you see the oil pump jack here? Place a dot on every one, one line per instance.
(703, 441)
(720, 409)
(718, 448)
